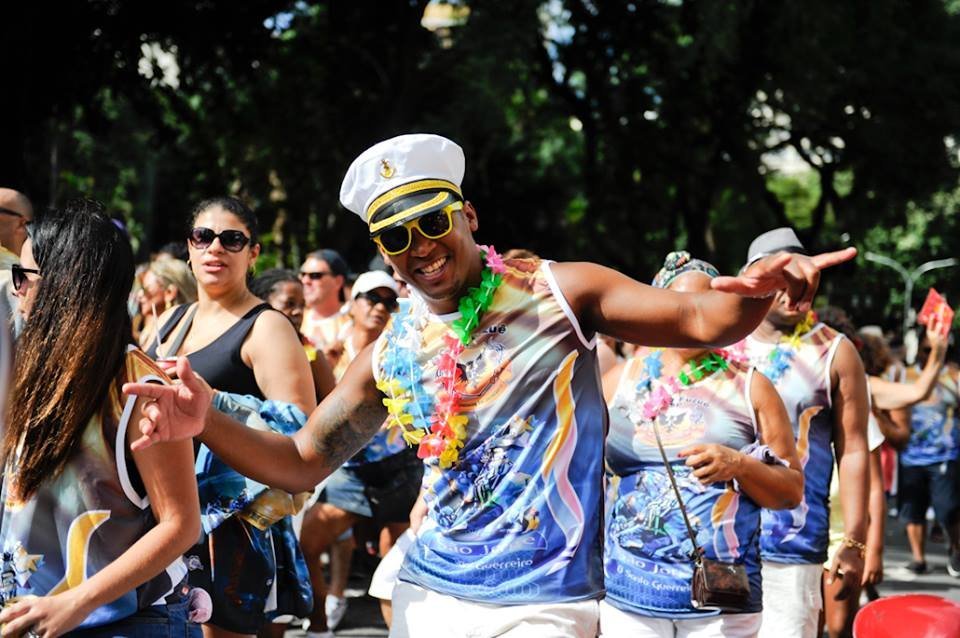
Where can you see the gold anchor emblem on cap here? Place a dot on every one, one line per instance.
(386, 169)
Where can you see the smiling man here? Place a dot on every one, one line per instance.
(491, 370)
(323, 275)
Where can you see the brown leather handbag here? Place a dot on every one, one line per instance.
(716, 585)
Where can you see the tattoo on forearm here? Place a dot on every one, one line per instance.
(345, 428)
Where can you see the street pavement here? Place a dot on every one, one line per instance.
(897, 580)
(363, 618)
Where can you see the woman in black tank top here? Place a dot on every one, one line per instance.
(238, 344)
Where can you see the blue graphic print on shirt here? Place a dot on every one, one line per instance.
(517, 519)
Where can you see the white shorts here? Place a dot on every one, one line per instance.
(791, 600)
(418, 612)
(616, 623)
(385, 577)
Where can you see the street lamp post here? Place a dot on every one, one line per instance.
(909, 279)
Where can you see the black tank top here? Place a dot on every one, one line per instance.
(219, 362)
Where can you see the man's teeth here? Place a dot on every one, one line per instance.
(431, 268)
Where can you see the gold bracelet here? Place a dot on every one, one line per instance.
(850, 542)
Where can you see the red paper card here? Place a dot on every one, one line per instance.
(936, 306)
(930, 304)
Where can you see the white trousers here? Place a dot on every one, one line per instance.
(421, 613)
(616, 623)
(791, 600)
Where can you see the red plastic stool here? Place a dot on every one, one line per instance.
(913, 615)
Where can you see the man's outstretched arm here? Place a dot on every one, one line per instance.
(340, 425)
(613, 304)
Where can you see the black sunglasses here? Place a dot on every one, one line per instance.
(232, 240)
(315, 276)
(18, 275)
(389, 301)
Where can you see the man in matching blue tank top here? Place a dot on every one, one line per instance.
(819, 376)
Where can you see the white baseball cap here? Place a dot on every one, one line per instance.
(372, 280)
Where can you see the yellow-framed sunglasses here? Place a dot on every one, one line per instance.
(433, 225)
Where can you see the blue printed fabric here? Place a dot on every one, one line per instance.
(517, 519)
(647, 557)
(224, 492)
(384, 444)
(79, 522)
(801, 535)
(933, 428)
(647, 551)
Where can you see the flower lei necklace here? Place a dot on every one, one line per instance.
(781, 357)
(661, 397)
(436, 425)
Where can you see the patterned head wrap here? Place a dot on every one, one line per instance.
(678, 263)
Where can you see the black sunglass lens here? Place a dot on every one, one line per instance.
(395, 240)
(17, 276)
(388, 301)
(202, 237)
(233, 240)
(434, 224)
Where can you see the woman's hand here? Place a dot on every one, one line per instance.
(43, 616)
(712, 463)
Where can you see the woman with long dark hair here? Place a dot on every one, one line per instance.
(239, 345)
(92, 533)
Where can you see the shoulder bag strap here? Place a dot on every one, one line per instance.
(697, 552)
(174, 345)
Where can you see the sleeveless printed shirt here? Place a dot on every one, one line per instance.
(933, 425)
(85, 518)
(801, 535)
(517, 519)
(647, 565)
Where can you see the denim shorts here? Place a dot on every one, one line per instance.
(157, 621)
(384, 490)
(924, 485)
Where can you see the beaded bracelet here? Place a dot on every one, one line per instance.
(860, 547)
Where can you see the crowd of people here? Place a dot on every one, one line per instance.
(532, 448)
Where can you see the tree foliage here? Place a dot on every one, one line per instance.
(610, 131)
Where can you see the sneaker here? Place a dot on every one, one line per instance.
(917, 567)
(336, 609)
(953, 565)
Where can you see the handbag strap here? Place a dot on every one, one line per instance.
(697, 551)
(174, 345)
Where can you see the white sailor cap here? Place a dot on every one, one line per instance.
(403, 178)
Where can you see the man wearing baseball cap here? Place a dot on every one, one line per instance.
(380, 482)
(820, 378)
(490, 371)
